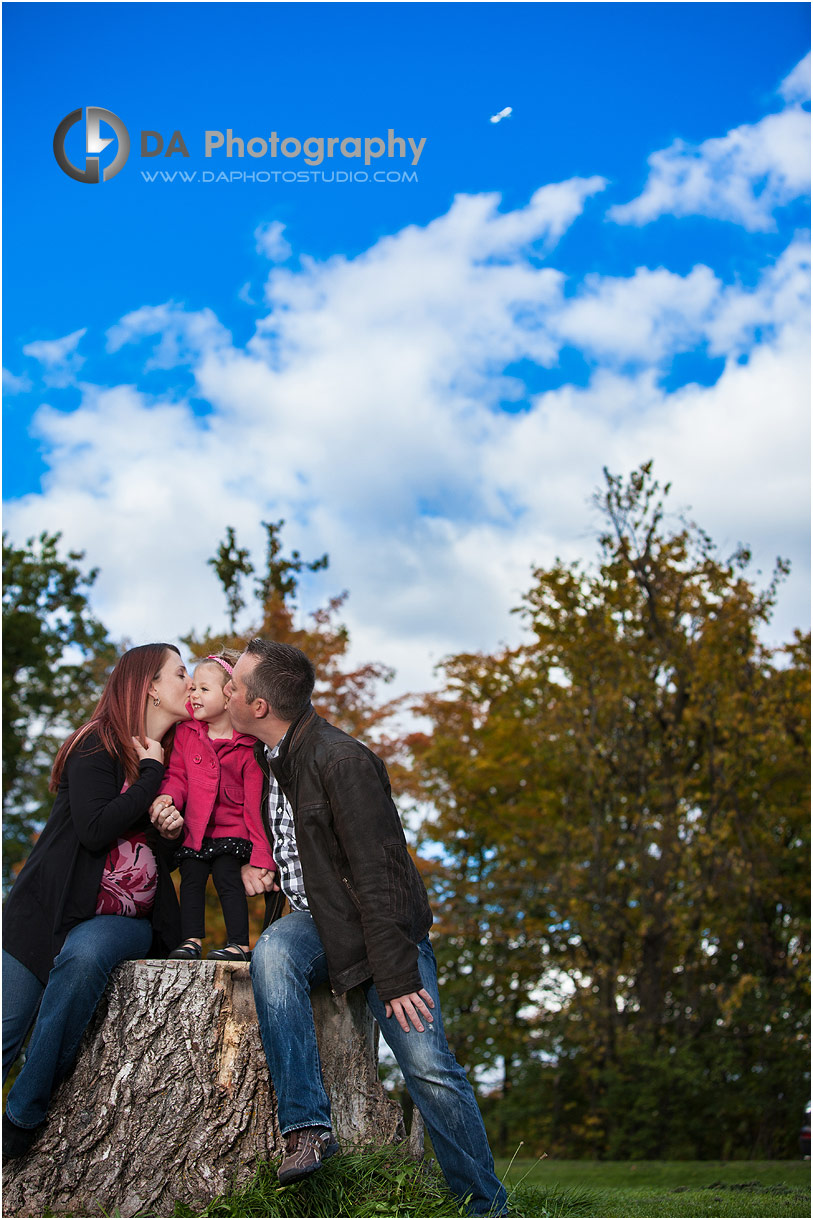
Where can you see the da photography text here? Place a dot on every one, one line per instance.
(314, 149)
(82, 136)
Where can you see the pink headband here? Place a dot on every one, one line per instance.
(228, 668)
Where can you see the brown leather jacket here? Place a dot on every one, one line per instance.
(364, 892)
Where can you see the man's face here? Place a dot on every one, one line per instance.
(240, 712)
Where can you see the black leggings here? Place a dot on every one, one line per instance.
(225, 872)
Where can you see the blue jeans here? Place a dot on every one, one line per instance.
(287, 962)
(75, 986)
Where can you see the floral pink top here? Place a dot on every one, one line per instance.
(129, 880)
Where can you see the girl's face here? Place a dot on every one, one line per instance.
(172, 686)
(208, 697)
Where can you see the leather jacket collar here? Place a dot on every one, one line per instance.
(295, 735)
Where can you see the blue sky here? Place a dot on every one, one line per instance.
(423, 377)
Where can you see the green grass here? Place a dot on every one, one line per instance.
(673, 1188)
(376, 1182)
(382, 1182)
(379, 1182)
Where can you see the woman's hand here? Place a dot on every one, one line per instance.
(166, 819)
(146, 747)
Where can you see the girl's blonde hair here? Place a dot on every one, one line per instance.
(223, 661)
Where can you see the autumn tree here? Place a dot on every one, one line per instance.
(56, 658)
(622, 807)
(347, 695)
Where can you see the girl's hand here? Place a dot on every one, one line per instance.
(258, 880)
(160, 802)
(166, 819)
(145, 747)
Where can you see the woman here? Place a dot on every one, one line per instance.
(96, 889)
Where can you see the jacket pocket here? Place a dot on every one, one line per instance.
(234, 795)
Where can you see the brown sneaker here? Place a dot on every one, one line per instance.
(305, 1150)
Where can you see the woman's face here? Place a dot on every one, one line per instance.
(172, 686)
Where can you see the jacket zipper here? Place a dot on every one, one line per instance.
(352, 893)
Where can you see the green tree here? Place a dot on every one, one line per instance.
(56, 657)
(280, 579)
(622, 805)
(231, 563)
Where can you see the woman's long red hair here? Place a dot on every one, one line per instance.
(120, 714)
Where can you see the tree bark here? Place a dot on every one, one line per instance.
(170, 1099)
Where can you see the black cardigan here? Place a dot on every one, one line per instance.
(59, 884)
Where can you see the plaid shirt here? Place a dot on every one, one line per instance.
(281, 821)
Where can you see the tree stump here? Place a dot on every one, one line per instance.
(171, 1100)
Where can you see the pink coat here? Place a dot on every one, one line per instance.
(219, 791)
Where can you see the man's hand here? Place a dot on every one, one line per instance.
(258, 880)
(412, 1007)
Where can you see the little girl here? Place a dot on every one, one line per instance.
(213, 777)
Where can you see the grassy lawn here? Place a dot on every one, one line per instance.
(661, 1188)
(381, 1183)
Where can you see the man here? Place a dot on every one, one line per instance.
(359, 917)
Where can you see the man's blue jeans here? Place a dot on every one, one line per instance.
(287, 962)
(75, 986)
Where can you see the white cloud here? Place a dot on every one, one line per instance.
(780, 301)
(649, 317)
(270, 241)
(796, 85)
(645, 317)
(365, 410)
(737, 451)
(12, 384)
(742, 177)
(59, 358)
(183, 335)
